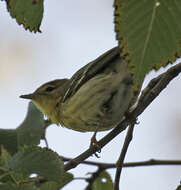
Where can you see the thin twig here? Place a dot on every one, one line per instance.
(36, 180)
(79, 178)
(143, 103)
(119, 164)
(150, 162)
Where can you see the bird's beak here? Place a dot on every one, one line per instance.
(27, 96)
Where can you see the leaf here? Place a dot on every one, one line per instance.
(103, 182)
(50, 185)
(17, 187)
(67, 178)
(5, 174)
(27, 12)
(30, 132)
(4, 156)
(33, 127)
(149, 32)
(36, 160)
(179, 187)
(8, 138)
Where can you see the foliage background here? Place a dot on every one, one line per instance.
(74, 33)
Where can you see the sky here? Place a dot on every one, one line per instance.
(73, 34)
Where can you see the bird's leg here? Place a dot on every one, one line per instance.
(95, 143)
(94, 140)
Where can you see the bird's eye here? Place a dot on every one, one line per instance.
(50, 88)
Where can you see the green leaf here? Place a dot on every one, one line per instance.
(4, 156)
(36, 160)
(103, 182)
(33, 127)
(179, 187)
(8, 138)
(50, 185)
(4, 173)
(67, 178)
(149, 32)
(27, 12)
(17, 187)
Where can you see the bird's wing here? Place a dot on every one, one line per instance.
(89, 71)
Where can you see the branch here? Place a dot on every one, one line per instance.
(151, 162)
(150, 93)
(119, 164)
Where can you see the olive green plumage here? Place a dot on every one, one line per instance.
(95, 98)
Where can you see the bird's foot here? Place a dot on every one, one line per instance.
(132, 120)
(95, 144)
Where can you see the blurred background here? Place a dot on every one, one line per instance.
(74, 33)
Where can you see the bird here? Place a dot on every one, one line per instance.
(94, 99)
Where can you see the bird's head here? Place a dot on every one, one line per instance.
(48, 95)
